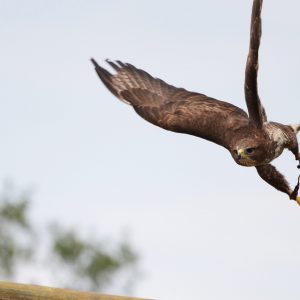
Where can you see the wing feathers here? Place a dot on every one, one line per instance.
(105, 76)
(131, 85)
(172, 108)
(272, 176)
(256, 111)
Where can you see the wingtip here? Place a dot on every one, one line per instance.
(94, 62)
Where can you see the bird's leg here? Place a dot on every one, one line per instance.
(294, 194)
(298, 158)
(295, 151)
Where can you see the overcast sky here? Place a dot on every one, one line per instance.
(205, 227)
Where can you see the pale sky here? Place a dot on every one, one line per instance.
(205, 227)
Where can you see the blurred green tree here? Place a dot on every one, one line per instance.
(15, 230)
(76, 261)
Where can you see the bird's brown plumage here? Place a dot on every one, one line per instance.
(172, 108)
(256, 110)
(251, 140)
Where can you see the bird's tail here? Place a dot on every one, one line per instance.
(296, 127)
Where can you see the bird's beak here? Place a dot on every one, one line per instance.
(241, 154)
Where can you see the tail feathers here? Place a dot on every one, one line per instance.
(296, 127)
(107, 79)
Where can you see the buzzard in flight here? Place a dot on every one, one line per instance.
(250, 138)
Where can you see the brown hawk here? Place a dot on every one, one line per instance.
(250, 138)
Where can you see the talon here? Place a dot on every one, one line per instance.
(298, 158)
(298, 200)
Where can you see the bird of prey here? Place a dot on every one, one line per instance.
(251, 139)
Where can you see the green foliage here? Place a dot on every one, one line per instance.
(68, 247)
(89, 258)
(84, 263)
(15, 230)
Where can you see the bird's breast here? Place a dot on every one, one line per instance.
(278, 138)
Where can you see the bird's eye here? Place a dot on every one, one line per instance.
(249, 150)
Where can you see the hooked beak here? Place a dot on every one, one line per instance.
(241, 154)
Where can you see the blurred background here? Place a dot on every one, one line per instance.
(93, 197)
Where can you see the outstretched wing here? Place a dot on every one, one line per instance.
(172, 108)
(255, 109)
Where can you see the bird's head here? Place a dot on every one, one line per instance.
(247, 153)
